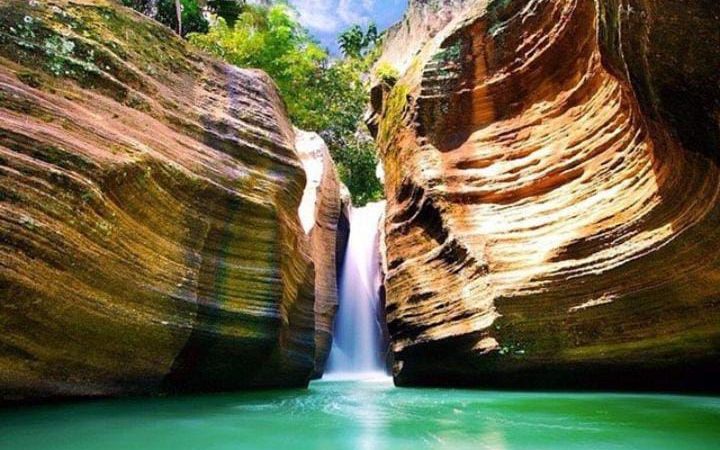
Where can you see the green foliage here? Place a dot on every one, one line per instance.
(341, 99)
(354, 42)
(165, 12)
(227, 9)
(139, 5)
(387, 73)
(338, 104)
(372, 37)
(356, 161)
(272, 40)
(193, 20)
(351, 41)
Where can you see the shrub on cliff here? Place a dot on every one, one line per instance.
(386, 73)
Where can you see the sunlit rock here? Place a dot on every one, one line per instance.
(149, 233)
(552, 182)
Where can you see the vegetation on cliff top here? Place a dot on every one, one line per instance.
(323, 95)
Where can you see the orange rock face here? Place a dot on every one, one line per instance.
(149, 234)
(324, 215)
(550, 221)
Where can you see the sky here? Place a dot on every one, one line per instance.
(326, 19)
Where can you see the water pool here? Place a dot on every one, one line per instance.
(370, 415)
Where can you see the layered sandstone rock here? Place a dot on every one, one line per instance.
(149, 236)
(324, 213)
(552, 181)
(423, 20)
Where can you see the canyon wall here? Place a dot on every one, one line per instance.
(324, 214)
(423, 20)
(149, 231)
(551, 170)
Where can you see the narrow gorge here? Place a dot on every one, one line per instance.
(543, 219)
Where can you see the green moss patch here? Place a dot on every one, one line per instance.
(392, 116)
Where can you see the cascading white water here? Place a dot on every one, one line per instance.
(357, 339)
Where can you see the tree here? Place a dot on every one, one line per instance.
(354, 42)
(178, 14)
(186, 18)
(371, 36)
(183, 16)
(227, 9)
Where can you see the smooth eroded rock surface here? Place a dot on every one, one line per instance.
(324, 213)
(149, 235)
(552, 181)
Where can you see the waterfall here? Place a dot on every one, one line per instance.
(357, 337)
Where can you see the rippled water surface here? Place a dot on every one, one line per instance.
(371, 415)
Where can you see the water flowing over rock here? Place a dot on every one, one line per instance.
(551, 169)
(149, 234)
(358, 350)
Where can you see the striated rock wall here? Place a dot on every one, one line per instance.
(552, 182)
(149, 235)
(423, 20)
(324, 215)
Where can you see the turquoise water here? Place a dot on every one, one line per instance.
(373, 416)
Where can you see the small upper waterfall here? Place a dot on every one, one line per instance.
(357, 338)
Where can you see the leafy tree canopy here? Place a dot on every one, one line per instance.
(354, 42)
(227, 9)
